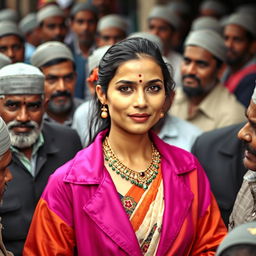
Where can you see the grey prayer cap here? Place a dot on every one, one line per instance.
(179, 7)
(162, 12)
(4, 60)
(8, 15)
(5, 141)
(151, 37)
(244, 234)
(50, 51)
(247, 8)
(209, 40)
(112, 21)
(9, 28)
(214, 5)
(28, 23)
(206, 23)
(254, 95)
(96, 56)
(49, 11)
(83, 7)
(244, 20)
(21, 78)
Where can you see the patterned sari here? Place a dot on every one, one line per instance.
(145, 210)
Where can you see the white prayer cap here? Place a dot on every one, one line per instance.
(254, 96)
(8, 14)
(50, 51)
(179, 7)
(21, 78)
(244, 20)
(214, 5)
(9, 28)
(4, 60)
(64, 3)
(206, 22)
(5, 141)
(78, 7)
(96, 56)
(209, 40)
(162, 12)
(28, 23)
(151, 37)
(49, 11)
(112, 21)
(247, 8)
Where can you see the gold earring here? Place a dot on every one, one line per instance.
(161, 114)
(104, 112)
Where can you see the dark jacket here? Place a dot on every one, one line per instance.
(220, 152)
(60, 145)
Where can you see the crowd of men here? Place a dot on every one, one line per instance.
(48, 72)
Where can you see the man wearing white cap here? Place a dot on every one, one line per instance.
(52, 24)
(56, 61)
(38, 148)
(111, 29)
(5, 174)
(11, 41)
(165, 24)
(84, 19)
(240, 40)
(245, 205)
(202, 100)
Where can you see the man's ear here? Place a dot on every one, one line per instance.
(100, 94)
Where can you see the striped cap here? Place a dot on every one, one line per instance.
(5, 141)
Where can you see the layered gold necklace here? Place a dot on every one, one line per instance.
(139, 178)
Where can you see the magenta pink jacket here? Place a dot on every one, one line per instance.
(80, 210)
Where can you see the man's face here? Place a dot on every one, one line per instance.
(53, 29)
(238, 45)
(248, 135)
(59, 87)
(23, 116)
(5, 174)
(199, 71)
(13, 47)
(110, 36)
(84, 25)
(162, 29)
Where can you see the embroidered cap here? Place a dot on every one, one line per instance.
(49, 11)
(50, 51)
(9, 28)
(209, 40)
(112, 21)
(28, 23)
(8, 15)
(5, 141)
(21, 78)
(244, 234)
(83, 7)
(206, 22)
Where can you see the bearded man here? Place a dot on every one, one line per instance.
(38, 148)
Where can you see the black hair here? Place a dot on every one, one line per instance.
(246, 249)
(125, 50)
(57, 61)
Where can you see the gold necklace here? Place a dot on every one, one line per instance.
(139, 178)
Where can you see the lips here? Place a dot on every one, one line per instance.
(139, 118)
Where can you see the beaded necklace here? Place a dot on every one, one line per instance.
(139, 178)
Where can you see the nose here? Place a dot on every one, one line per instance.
(191, 68)
(23, 115)
(140, 101)
(60, 86)
(10, 52)
(228, 42)
(244, 133)
(8, 176)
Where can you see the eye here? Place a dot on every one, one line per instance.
(125, 89)
(11, 106)
(154, 88)
(34, 106)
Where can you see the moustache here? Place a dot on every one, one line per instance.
(248, 148)
(191, 76)
(29, 124)
(61, 94)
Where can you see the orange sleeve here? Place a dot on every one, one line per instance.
(48, 234)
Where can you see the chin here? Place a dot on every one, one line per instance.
(250, 165)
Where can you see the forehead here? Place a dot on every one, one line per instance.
(53, 20)
(235, 30)
(159, 22)
(9, 39)
(60, 68)
(85, 15)
(23, 98)
(112, 31)
(197, 53)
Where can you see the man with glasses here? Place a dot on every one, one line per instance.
(55, 60)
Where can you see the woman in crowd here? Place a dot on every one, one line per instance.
(128, 192)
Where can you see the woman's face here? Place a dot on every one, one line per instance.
(135, 96)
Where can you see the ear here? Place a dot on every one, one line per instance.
(101, 95)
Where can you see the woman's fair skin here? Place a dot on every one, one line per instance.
(135, 99)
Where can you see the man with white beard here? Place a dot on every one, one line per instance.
(38, 148)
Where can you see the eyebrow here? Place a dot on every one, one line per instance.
(127, 82)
